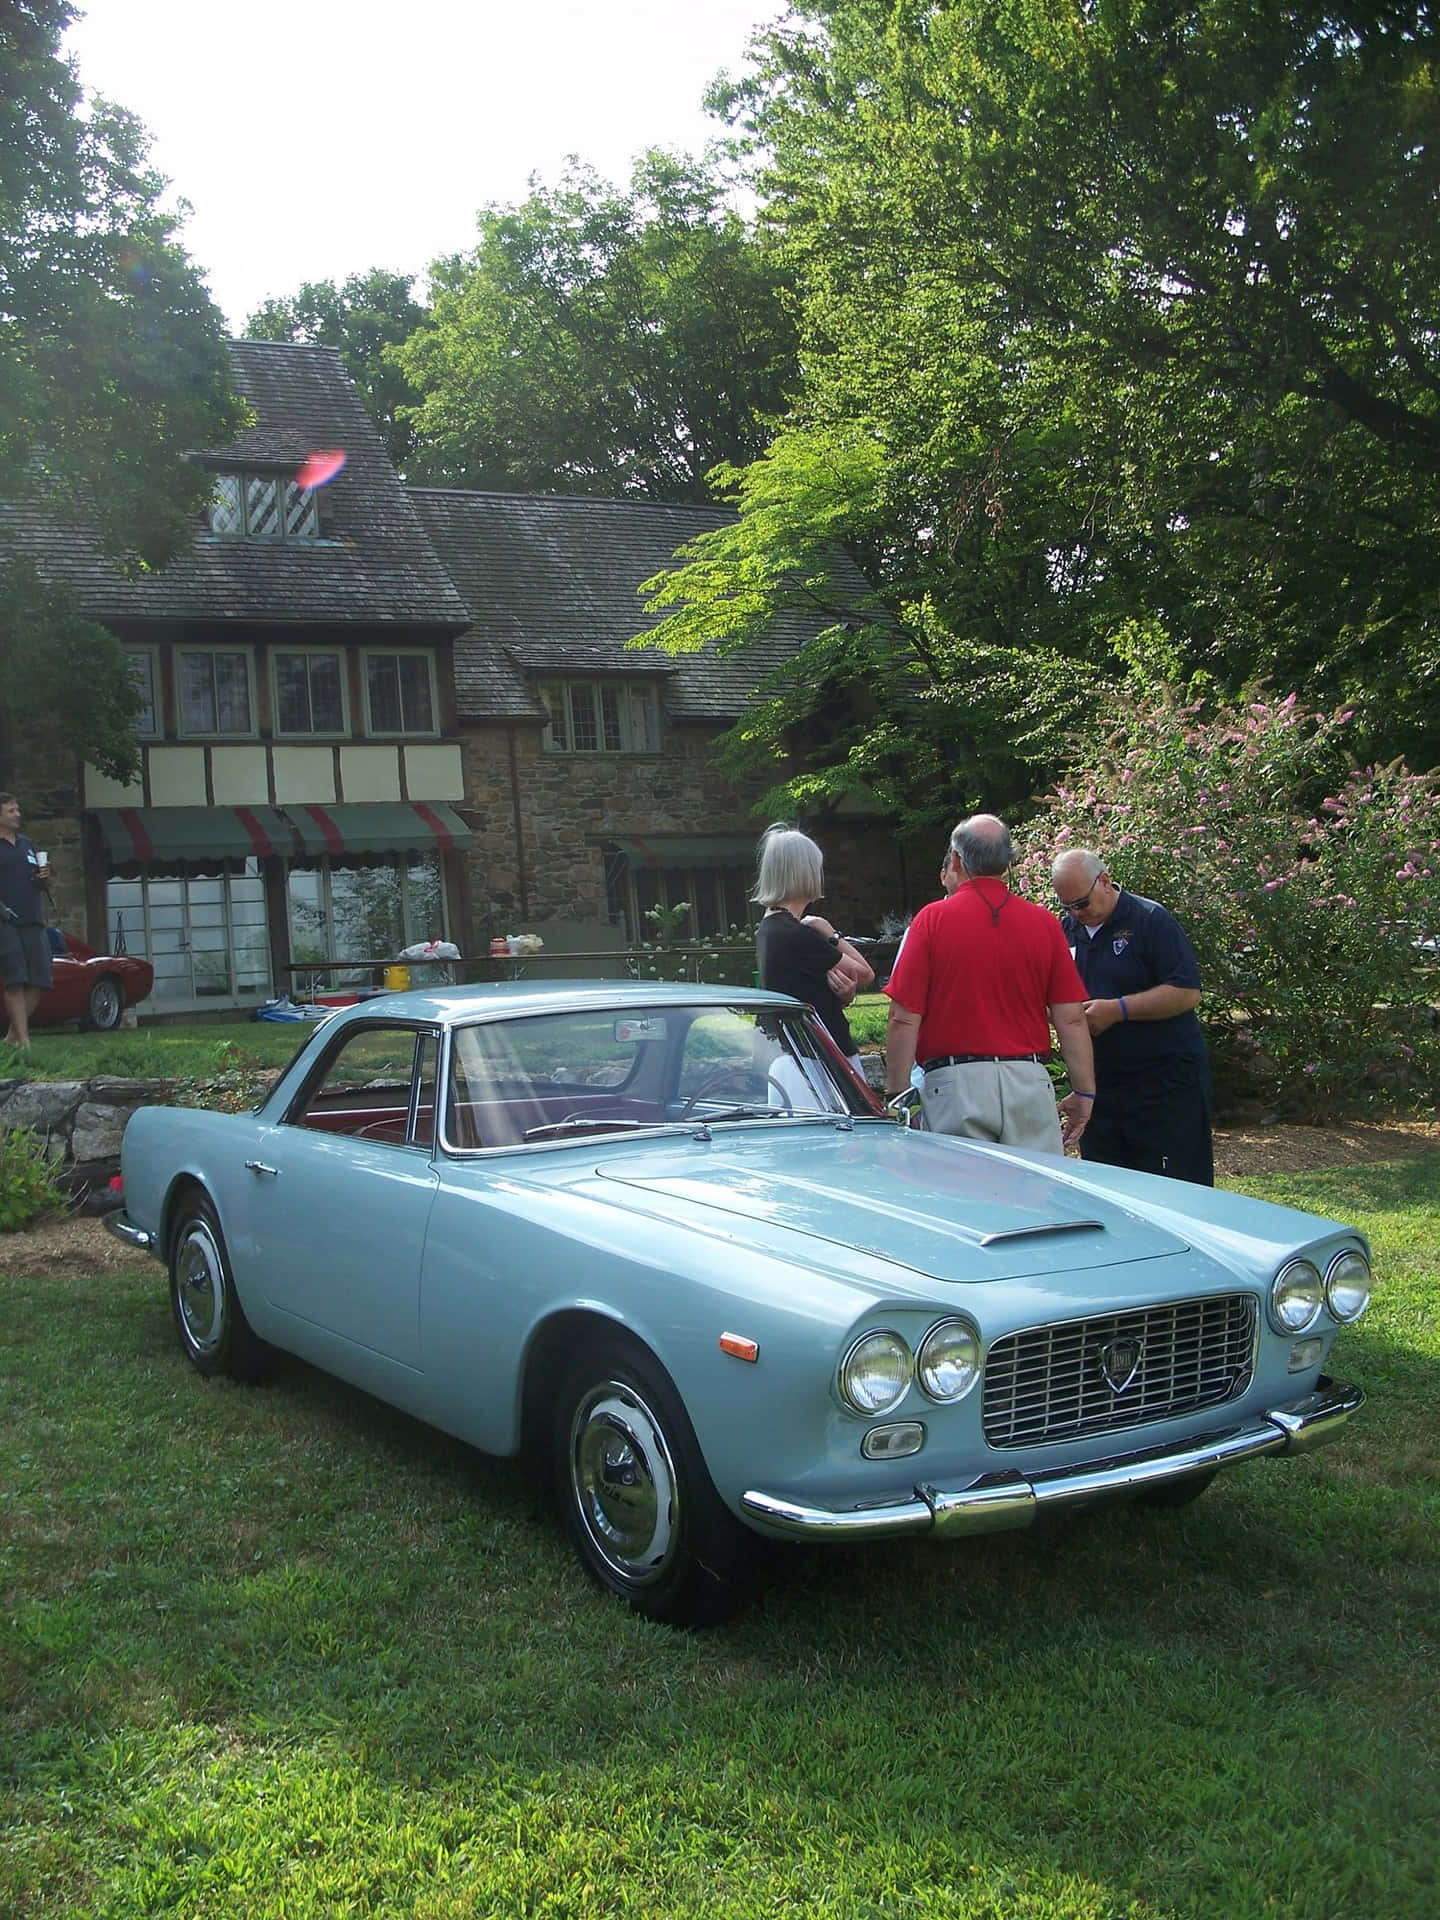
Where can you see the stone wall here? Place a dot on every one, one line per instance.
(82, 1122)
(565, 802)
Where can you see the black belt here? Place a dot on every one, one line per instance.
(970, 1059)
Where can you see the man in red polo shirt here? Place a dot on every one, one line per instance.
(981, 980)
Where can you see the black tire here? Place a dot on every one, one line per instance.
(107, 1003)
(1173, 1494)
(637, 1500)
(215, 1336)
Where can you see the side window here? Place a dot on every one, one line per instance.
(428, 1053)
(365, 1088)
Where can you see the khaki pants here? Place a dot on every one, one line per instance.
(1011, 1102)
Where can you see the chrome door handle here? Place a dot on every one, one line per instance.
(259, 1166)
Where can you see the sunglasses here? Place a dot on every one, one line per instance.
(1079, 906)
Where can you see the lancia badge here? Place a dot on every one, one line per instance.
(1120, 1362)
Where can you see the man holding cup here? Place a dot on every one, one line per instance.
(24, 944)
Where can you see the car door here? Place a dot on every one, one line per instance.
(342, 1190)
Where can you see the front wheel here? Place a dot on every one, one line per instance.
(637, 1500)
(215, 1336)
(105, 1006)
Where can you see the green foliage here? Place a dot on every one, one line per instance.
(1303, 881)
(601, 342)
(1132, 308)
(68, 691)
(29, 1186)
(371, 313)
(112, 359)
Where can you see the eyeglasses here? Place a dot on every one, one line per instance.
(1079, 906)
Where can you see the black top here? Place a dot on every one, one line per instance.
(1141, 945)
(795, 959)
(20, 880)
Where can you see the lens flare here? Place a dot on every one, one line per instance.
(319, 469)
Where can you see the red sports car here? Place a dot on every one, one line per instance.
(93, 988)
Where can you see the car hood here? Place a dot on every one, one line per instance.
(940, 1209)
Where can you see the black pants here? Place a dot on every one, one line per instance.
(1160, 1124)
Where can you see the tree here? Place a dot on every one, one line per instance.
(1132, 306)
(112, 367)
(112, 357)
(68, 691)
(597, 341)
(371, 313)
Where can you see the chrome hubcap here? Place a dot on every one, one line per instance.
(198, 1288)
(623, 1483)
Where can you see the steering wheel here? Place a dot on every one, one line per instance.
(740, 1080)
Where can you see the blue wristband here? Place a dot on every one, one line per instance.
(1124, 1010)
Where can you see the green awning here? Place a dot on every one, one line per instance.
(380, 826)
(140, 836)
(695, 850)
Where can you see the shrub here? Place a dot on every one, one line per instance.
(29, 1183)
(1305, 883)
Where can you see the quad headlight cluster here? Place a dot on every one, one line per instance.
(1297, 1293)
(876, 1373)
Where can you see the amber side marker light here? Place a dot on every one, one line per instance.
(739, 1348)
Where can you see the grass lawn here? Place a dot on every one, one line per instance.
(282, 1652)
(199, 1050)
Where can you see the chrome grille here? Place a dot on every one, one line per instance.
(1050, 1383)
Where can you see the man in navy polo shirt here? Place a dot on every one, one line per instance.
(1142, 982)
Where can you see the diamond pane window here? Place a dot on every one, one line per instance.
(227, 514)
(263, 506)
(262, 509)
(302, 521)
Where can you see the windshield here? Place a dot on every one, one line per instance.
(555, 1076)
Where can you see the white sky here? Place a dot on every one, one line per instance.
(319, 138)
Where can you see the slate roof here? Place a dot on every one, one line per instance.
(550, 581)
(374, 565)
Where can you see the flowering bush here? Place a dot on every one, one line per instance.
(1307, 885)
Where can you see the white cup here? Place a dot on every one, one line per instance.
(42, 860)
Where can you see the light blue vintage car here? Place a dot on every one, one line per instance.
(660, 1239)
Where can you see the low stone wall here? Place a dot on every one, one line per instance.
(82, 1122)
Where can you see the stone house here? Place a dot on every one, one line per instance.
(375, 715)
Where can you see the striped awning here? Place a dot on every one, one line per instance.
(388, 826)
(688, 849)
(142, 835)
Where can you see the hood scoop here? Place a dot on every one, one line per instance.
(1044, 1226)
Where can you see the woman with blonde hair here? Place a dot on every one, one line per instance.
(799, 952)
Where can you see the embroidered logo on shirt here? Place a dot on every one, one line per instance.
(1119, 946)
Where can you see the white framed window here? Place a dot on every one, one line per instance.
(400, 692)
(309, 691)
(216, 696)
(262, 506)
(207, 936)
(145, 678)
(601, 716)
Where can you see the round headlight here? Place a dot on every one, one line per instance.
(1347, 1284)
(1295, 1295)
(947, 1364)
(875, 1373)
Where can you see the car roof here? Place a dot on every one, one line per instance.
(451, 1005)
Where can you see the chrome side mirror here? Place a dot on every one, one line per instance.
(904, 1108)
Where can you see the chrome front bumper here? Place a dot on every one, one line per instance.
(124, 1228)
(998, 1501)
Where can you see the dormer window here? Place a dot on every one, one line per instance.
(262, 506)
